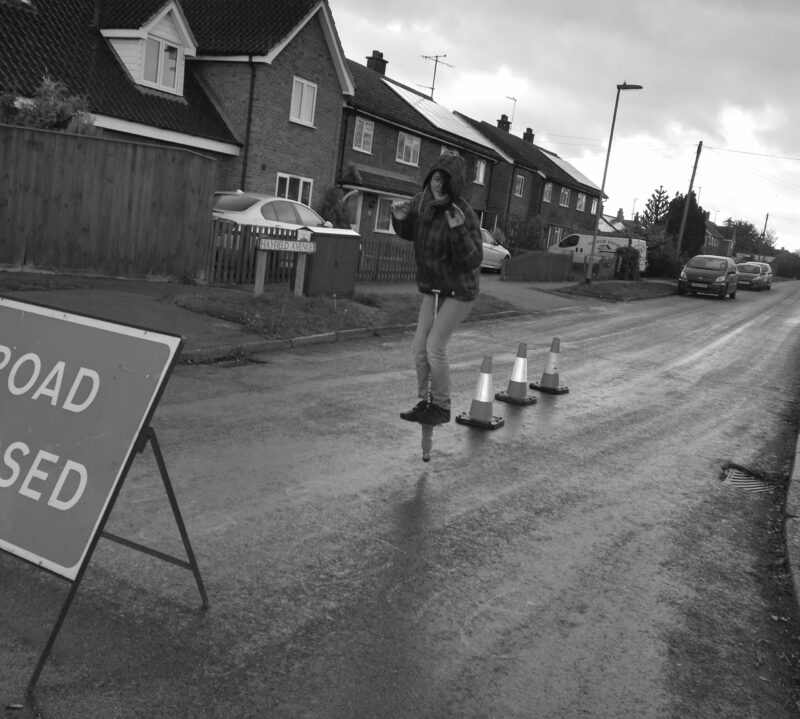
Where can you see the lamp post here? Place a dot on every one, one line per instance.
(623, 86)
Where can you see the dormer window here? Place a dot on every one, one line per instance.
(155, 53)
(160, 64)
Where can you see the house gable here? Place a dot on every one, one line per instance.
(260, 31)
(154, 54)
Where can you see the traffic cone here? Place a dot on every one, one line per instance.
(518, 384)
(480, 412)
(549, 383)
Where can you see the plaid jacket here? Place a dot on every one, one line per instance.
(448, 258)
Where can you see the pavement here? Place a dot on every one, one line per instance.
(207, 339)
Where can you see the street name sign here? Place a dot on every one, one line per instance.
(266, 243)
(76, 394)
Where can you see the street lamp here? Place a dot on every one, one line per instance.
(623, 86)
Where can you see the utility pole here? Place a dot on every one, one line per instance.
(763, 235)
(437, 60)
(686, 204)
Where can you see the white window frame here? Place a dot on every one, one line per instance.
(304, 102)
(162, 47)
(594, 206)
(548, 192)
(302, 182)
(408, 147)
(362, 135)
(480, 172)
(519, 185)
(563, 199)
(387, 202)
(580, 205)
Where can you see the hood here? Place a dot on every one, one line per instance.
(453, 165)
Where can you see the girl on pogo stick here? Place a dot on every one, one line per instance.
(448, 250)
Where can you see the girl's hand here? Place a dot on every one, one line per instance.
(455, 216)
(400, 209)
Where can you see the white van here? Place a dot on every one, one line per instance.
(580, 246)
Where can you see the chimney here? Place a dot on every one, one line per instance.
(528, 135)
(377, 63)
(503, 123)
(620, 215)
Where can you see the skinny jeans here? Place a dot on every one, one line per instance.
(430, 345)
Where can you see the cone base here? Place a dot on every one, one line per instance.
(548, 390)
(520, 401)
(493, 423)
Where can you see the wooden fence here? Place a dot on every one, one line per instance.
(539, 267)
(74, 202)
(386, 259)
(232, 256)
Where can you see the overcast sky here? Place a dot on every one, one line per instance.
(724, 72)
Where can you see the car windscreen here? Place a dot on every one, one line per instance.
(570, 241)
(233, 203)
(707, 263)
(749, 269)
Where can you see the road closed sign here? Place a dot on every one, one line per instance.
(75, 394)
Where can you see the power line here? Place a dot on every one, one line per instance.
(756, 154)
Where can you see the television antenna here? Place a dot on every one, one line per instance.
(513, 109)
(437, 60)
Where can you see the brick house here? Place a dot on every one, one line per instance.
(248, 86)
(391, 135)
(537, 197)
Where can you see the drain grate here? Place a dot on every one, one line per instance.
(745, 481)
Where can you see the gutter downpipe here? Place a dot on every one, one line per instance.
(249, 123)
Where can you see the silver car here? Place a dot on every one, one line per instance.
(495, 256)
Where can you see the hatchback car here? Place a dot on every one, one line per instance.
(253, 208)
(709, 274)
(754, 275)
(495, 256)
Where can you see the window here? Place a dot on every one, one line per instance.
(294, 188)
(362, 137)
(304, 100)
(554, 237)
(160, 64)
(594, 205)
(564, 199)
(408, 149)
(581, 206)
(480, 172)
(383, 219)
(519, 185)
(548, 192)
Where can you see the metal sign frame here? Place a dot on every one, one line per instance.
(164, 352)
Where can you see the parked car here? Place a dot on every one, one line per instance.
(254, 208)
(754, 275)
(494, 254)
(709, 274)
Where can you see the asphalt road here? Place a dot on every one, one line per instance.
(583, 560)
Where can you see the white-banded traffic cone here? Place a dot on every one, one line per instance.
(517, 392)
(480, 412)
(550, 380)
